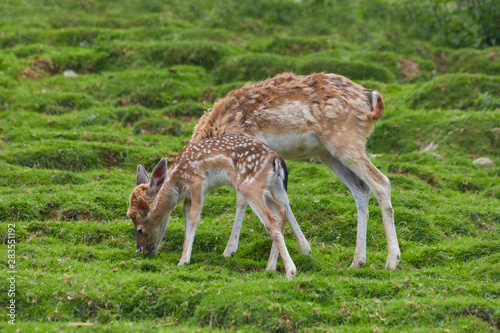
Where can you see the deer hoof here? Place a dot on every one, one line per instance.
(392, 262)
(358, 263)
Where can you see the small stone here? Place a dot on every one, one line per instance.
(483, 161)
(431, 146)
(70, 73)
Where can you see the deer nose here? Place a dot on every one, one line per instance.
(139, 249)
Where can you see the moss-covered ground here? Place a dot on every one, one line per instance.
(145, 72)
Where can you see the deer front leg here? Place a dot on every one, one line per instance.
(194, 205)
(186, 209)
(232, 243)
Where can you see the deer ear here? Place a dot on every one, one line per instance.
(142, 176)
(159, 176)
(142, 206)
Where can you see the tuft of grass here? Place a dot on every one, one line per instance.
(469, 61)
(356, 70)
(249, 67)
(458, 91)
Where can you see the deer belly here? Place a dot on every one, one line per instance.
(294, 146)
(216, 178)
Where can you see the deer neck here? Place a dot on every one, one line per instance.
(165, 201)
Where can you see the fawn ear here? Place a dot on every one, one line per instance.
(142, 207)
(142, 176)
(159, 176)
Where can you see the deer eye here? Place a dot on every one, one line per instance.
(139, 231)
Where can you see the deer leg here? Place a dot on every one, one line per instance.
(274, 228)
(232, 244)
(186, 208)
(279, 193)
(195, 205)
(379, 184)
(361, 194)
(280, 212)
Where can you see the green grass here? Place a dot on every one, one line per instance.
(69, 148)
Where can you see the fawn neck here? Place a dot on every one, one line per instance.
(165, 201)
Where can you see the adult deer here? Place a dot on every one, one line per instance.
(324, 115)
(256, 172)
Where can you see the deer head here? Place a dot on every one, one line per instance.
(148, 230)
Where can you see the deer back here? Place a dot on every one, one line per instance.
(288, 103)
(225, 160)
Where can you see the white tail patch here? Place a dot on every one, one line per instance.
(374, 98)
(279, 169)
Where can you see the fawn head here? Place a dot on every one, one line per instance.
(147, 230)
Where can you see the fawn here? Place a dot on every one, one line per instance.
(255, 171)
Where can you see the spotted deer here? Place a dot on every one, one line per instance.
(324, 115)
(256, 172)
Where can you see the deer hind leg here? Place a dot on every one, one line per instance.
(359, 164)
(280, 212)
(273, 227)
(361, 194)
(194, 206)
(232, 244)
(279, 193)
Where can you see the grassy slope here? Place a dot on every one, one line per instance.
(69, 147)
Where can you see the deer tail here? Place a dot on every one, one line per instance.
(281, 169)
(376, 105)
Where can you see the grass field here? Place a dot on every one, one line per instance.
(146, 71)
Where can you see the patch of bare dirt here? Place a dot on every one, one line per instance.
(440, 62)
(493, 57)
(409, 68)
(38, 68)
